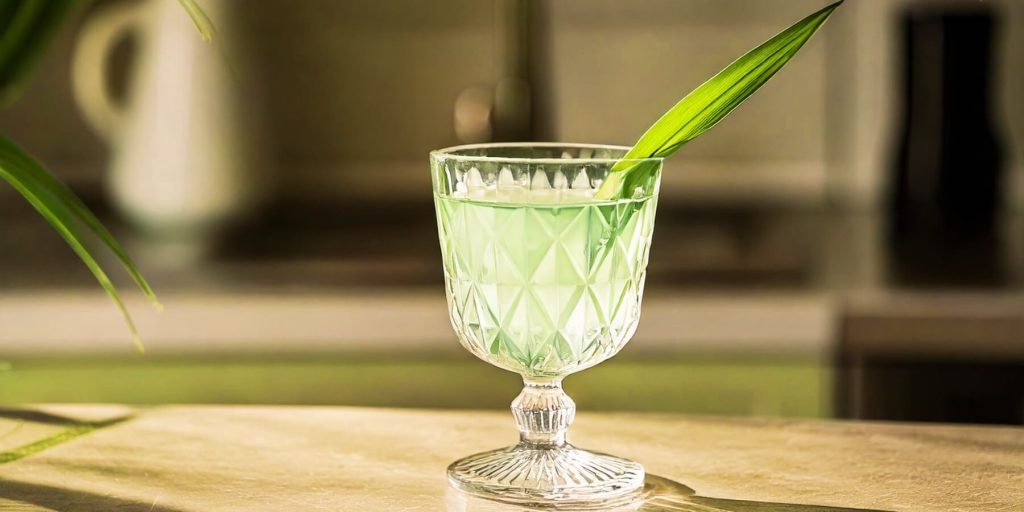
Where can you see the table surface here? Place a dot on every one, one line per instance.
(224, 458)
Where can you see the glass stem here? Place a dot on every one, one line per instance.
(543, 412)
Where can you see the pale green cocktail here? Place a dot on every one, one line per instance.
(544, 280)
(545, 288)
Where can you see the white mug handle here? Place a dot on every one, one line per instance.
(90, 63)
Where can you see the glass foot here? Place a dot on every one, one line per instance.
(528, 474)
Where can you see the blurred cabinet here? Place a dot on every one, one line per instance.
(947, 358)
(368, 81)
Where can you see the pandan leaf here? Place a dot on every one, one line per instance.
(708, 104)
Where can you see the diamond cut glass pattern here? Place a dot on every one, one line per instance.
(545, 290)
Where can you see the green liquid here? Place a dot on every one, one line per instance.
(544, 289)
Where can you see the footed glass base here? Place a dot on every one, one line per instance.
(530, 474)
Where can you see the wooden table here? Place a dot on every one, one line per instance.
(211, 459)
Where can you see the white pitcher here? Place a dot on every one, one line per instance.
(183, 151)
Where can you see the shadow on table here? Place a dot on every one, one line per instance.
(36, 416)
(659, 495)
(44, 497)
(68, 500)
(664, 495)
(73, 428)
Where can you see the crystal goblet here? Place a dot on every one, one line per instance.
(544, 280)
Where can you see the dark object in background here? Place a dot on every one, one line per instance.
(946, 191)
(952, 358)
(904, 388)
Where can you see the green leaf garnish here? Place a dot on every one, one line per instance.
(708, 104)
(199, 18)
(67, 214)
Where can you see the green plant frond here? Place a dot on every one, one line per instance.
(17, 157)
(23, 173)
(708, 104)
(26, 26)
(18, 29)
(202, 22)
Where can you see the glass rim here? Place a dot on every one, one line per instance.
(449, 153)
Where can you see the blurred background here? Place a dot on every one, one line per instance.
(849, 243)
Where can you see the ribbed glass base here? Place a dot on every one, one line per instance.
(528, 474)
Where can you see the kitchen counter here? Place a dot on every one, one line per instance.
(213, 459)
(380, 322)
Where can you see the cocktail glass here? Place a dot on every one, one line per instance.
(542, 280)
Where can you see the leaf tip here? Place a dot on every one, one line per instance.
(138, 342)
(202, 22)
(833, 6)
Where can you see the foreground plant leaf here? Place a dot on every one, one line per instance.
(66, 213)
(199, 18)
(25, 29)
(708, 104)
